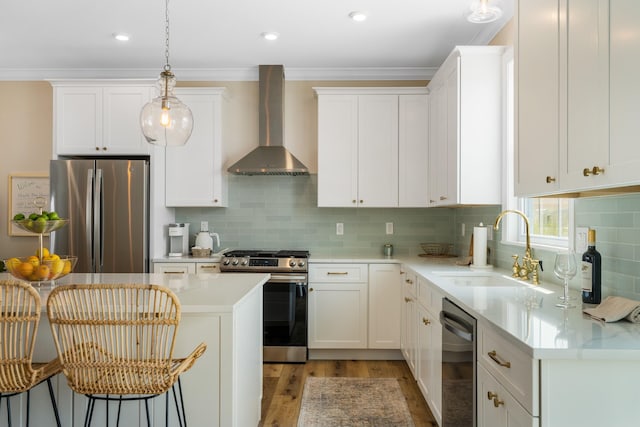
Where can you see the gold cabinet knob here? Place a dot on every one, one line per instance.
(409, 281)
(426, 321)
(491, 395)
(596, 170)
(497, 402)
(361, 201)
(353, 201)
(407, 299)
(310, 289)
(550, 179)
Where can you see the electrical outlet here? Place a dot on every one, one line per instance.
(204, 225)
(462, 229)
(389, 228)
(582, 234)
(339, 229)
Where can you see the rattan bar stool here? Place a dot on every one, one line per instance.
(20, 309)
(115, 343)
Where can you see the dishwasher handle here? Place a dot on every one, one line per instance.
(457, 325)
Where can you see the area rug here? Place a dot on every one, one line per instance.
(353, 402)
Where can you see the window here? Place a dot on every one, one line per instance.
(550, 219)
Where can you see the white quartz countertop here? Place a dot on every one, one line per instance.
(201, 293)
(528, 316)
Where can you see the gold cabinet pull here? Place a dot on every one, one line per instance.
(408, 299)
(491, 395)
(494, 356)
(426, 321)
(550, 179)
(409, 281)
(596, 170)
(497, 402)
(337, 273)
(443, 197)
(175, 272)
(207, 267)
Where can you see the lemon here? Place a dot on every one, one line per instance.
(42, 272)
(33, 260)
(67, 267)
(12, 264)
(56, 266)
(45, 252)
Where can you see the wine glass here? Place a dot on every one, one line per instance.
(565, 268)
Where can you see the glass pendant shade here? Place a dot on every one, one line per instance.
(482, 12)
(165, 120)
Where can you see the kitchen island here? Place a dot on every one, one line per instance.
(223, 388)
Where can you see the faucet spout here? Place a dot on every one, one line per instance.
(529, 265)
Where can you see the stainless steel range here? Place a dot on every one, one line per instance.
(285, 299)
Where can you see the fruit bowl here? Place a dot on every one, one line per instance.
(40, 225)
(32, 269)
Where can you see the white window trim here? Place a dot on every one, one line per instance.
(512, 226)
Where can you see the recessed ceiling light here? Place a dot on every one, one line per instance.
(121, 37)
(358, 16)
(270, 35)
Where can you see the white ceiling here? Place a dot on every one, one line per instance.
(220, 40)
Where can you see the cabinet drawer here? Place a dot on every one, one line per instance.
(514, 369)
(207, 267)
(497, 407)
(174, 267)
(332, 273)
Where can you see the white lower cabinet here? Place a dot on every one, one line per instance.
(496, 407)
(354, 306)
(408, 332)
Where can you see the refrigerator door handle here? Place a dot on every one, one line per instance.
(88, 209)
(97, 224)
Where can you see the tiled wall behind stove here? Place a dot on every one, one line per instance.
(280, 212)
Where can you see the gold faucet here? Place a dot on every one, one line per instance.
(529, 265)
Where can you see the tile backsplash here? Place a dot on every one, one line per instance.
(276, 212)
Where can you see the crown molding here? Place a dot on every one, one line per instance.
(221, 74)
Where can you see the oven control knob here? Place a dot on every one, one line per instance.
(234, 262)
(301, 263)
(226, 261)
(244, 262)
(292, 263)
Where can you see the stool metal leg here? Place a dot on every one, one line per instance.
(9, 411)
(53, 403)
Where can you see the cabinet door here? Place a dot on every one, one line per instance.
(624, 57)
(413, 151)
(538, 112)
(194, 172)
(408, 332)
(496, 407)
(451, 167)
(587, 55)
(437, 143)
(378, 151)
(429, 359)
(78, 120)
(385, 292)
(338, 315)
(337, 150)
(122, 132)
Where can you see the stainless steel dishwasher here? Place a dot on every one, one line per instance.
(458, 366)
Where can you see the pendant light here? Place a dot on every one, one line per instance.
(482, 13)
(165, 120)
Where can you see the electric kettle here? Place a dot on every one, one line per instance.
(204, 240)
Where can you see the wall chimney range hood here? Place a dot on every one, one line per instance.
(270, 158)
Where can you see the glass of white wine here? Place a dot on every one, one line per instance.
(565, 268)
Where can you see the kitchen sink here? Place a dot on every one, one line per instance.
(479, 278)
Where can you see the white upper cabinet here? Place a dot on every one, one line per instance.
(99, 117)
(465, 120)
(194, 172)
(537, 124)
(576, 96)
(362, 137)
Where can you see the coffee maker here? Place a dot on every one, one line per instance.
(179, 239)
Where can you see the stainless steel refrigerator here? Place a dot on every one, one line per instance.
(107, 203)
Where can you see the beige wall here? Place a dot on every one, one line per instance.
(506, 36)
(25, 147)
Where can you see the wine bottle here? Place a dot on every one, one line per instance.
(591, 272)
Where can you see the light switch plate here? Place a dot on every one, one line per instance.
(339, 228)
(389, 228)
(582, 234)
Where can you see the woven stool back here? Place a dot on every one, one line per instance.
(115, 338)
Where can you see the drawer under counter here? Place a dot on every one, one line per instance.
(338, 273)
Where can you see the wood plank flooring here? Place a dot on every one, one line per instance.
(283, 384)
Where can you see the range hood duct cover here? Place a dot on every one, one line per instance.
(270, 158)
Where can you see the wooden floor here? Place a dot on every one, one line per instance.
(283, 384)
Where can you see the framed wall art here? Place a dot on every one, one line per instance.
(27, 194)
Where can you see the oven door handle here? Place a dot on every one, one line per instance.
(456, 325)
(279, 278)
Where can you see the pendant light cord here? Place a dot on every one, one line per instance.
(167, 67)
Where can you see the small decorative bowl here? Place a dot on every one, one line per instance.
(37, 226)
(32, 269)
(437, 249)
(200, 252)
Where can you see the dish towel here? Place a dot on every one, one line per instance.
(612, 309)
